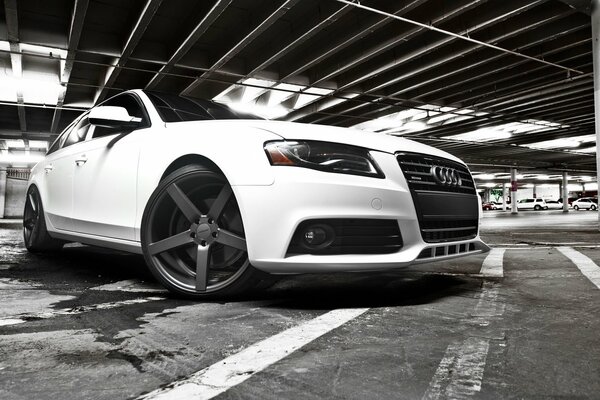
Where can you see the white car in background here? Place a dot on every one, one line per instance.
(554, 205)
(585, 203)
(215, 200)
(532, 204)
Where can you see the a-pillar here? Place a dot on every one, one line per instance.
(565, 191)
(504, 195)
(596, 63)
(2, 191)
(513, 190)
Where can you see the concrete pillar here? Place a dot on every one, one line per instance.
(596, 63)
(565, 191)
(2, 191)
(513, 190)
(504, 195)
(534, 190)
(486, 194)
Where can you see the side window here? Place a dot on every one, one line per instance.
(133, 107)
(77, 133)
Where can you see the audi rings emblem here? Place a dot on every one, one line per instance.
(446, 176)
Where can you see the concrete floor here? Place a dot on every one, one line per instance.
(91, 324)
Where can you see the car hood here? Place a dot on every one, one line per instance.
(370, 140)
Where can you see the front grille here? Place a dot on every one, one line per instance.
(447, 211)
(417, 170)
(350, 236)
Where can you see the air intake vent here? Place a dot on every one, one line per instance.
(346, 236)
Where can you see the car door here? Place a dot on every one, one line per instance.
(105, 176)
(57, 183)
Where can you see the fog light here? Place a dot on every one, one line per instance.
(315, 236)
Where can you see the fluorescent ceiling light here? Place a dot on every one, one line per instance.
(15, 144)
(38, 144)
(485, 177)
(563, 142)
(267, 98)
(481, 135)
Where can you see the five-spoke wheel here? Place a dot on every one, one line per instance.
(35, 234)
(193, 237)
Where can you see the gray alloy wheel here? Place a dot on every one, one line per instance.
(593, 207)
(193, 237)
(35, 233)
(576, 207)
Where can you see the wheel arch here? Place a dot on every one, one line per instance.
(189, 159)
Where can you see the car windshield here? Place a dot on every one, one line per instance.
(173, 108)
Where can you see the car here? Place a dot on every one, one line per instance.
(554, 205)
(217, 201)
(489, 205)
(585, 203)
(532, 204)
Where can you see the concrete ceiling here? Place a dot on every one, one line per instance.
(507, 62)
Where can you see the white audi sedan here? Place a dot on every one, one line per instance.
(216, 200)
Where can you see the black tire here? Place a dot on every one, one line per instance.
(576, 207)
(35, 233)
(537, 207)
(193, 213)
(593, 207)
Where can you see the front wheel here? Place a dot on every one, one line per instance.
(576, 208)
(593, 207)
(537, 208)
(35, 233)
(193, 237)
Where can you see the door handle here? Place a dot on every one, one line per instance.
(48, 168)
(81, 160)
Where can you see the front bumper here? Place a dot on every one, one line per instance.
(272, 213)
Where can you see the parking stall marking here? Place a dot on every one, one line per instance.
(235, 369)
(492, 265)
(460, 373)
(132, 286)
(585, 264)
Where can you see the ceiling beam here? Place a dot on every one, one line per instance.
(134, 37)
(76, 27)
(263, 26)
(189, 42)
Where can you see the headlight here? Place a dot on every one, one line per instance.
(323, 156)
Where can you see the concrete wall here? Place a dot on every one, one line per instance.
(15, 198)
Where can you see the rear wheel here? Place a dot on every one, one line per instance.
(35, 233)
(537, 207)
(193, 237)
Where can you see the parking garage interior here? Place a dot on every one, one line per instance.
(510, 87)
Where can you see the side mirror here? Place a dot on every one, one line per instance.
(112, 117)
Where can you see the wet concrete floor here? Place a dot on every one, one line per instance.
(89, 323)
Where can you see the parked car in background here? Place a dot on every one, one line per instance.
(532, 204)
(585, 203)
(489, 205)
(554, 204)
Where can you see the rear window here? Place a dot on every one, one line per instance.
(173, 108)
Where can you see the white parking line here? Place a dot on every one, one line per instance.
(584, 263)
(235, 369)
(19, 319)
(460, 373)
(492, 265)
